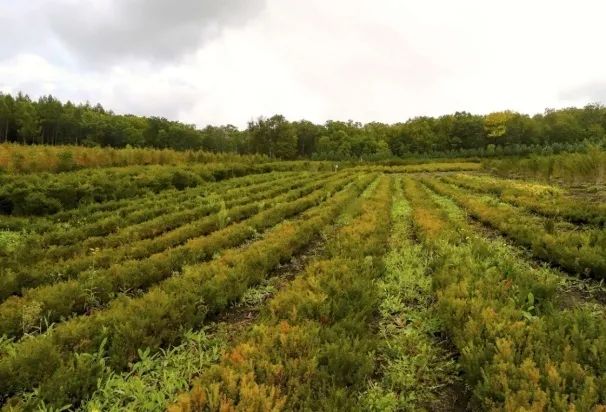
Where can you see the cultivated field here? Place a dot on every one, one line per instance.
(263, 286)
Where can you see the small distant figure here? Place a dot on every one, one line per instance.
(336, 168)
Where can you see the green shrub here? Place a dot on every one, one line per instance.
(65, 161)
(38, 204)
(314, 347)
(157, 318)
(519, 350)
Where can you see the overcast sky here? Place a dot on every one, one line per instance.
(228, 61)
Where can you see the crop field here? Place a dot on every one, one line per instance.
(264, 285)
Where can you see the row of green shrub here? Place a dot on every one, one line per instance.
(571, 168)
(186, 213)
(94, 288)
(546, 200)
(28, 247)
(62, 364)
(93, 212)
(140, 225)
(415, 368)
(90, 213)
(48, 194)
(313, 347)
(18, 158)
(520, 348)
(577, 251)
(97, 262)
(422, 167)
(85, 224)
(45, 251)
(43, 194)
(154, 380)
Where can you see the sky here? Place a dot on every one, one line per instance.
(231, 61)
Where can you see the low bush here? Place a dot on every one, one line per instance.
(580, 252)
(519, 350)
(94, 288)
(546, 200)
(313, 348)
(157, 318)
(571, 168)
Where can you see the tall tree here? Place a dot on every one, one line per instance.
(275, 137)
(27, 120)
(49, 113)
(308, 135)
(5, 116)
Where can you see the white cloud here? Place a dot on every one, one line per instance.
(363, 60)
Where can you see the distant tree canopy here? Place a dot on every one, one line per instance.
(49, 121)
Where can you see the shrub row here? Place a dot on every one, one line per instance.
(313, 348)
(95, 211)
(519, 350)
(86, 224)
(154, 380)
(425, 167)
(572, 168)
(76, 236)
(577, 251)
(93, 288)
(62, 363)
(187, 212)
(17, 158)
(87, 221)
(416, 370)
(545, 200)
(45, 194)
(146, 223)
(30, 257)
(100, 219)
(45, 272)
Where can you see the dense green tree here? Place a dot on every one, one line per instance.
(463, 130)
(27, 120)
(563, 126)
(70, 125)
(7, 115)
(49, 113)
(275, 137)
(49, 121)
(308, 135)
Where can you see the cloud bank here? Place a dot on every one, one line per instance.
(228, 61)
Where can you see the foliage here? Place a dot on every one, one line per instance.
(571, 168)
(64, 298)
(157, 318)
(43, 194)
(551, 201)
(19, 158)
(313, 348)
(519, 349)
(401, 302)
(49, 121)
(416, 368)
(579, 251)
(155, 378)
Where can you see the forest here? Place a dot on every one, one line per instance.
(48, 121)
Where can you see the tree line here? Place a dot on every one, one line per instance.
(50, 121)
